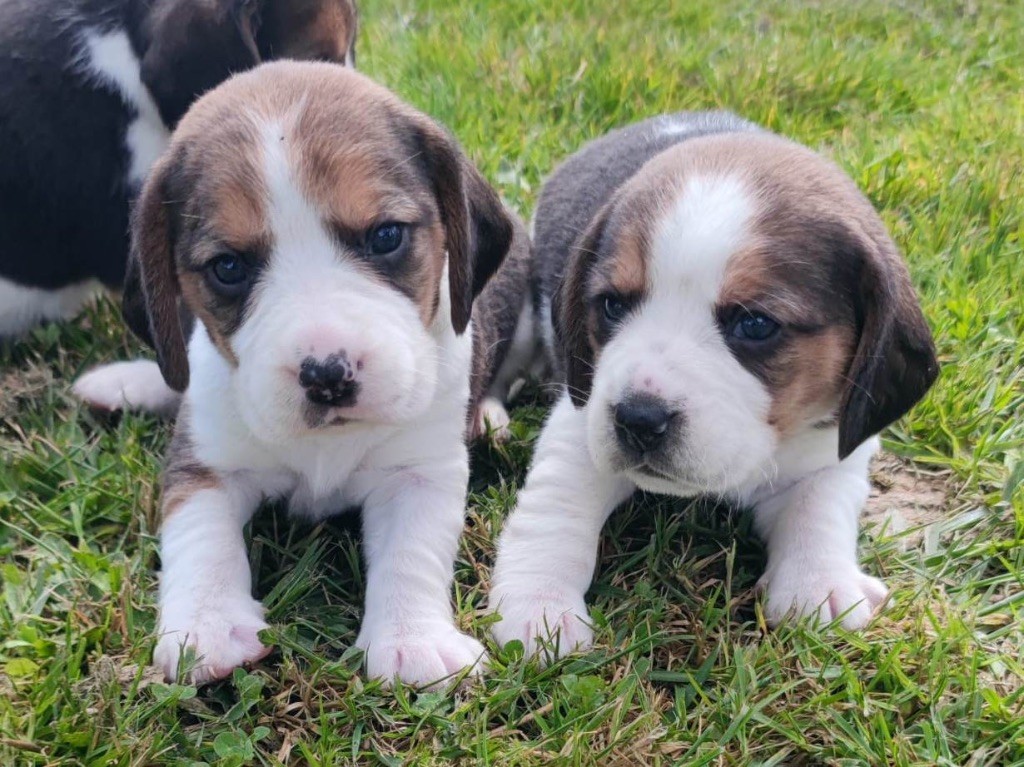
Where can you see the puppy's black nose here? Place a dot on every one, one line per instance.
(330, 381)
(642, 422)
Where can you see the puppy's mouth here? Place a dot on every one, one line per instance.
(317, 416)
(667, 479)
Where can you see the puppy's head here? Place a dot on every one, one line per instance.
(190, 46)
(738, 292)
(326, 235)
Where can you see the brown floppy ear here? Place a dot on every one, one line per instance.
(194, 45)
(894, 364)
(478, 231)
(569, 309)
(151, 288)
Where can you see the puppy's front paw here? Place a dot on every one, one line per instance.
(491, 418)
(827, 591)
(135, 385)
(425, 656)
(222, 637)
(549, 624)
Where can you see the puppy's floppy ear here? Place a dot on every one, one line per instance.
(478, 231)
(318, 30)
(894, 364)
(569, 309)
(194, 45)
(151, 289)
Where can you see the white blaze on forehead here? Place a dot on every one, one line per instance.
(297, 227)
(704, 225)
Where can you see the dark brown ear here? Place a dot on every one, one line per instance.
(151, 289)
(319, 30)
(894, 364)
(193, 46)
(478, 231)
(569, 310)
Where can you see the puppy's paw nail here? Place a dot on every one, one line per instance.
(828, 593)
(221, 640)
(550, 626)
(426, 657)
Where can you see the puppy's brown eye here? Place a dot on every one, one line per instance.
(386, 238)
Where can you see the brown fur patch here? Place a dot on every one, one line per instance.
(184, 474)
(816, 367)
(309, 29)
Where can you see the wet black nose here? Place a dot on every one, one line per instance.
(330, 381)
(642, 422)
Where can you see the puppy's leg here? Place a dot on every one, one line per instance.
(811, 532)
(412, 520)
(490, 416)
(135, 385)
(22, 307)
(206, 603)
(547, 551)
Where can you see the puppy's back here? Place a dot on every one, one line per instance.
(578, 187)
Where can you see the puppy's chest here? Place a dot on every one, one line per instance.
(319, 481)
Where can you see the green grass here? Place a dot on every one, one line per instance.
(922, 103)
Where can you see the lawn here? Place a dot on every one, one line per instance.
(923, 104)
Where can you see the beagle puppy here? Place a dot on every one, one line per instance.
(328, 241)
(729, 318)
(90, 91)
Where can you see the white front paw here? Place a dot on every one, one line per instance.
(135, 385)
(551, 624)
(491, 418)
(825, 590)
(422, 656)
(222, 636)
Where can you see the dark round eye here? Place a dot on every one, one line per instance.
(230, 273)
(386, 238)
(615, 308)
(755, 327)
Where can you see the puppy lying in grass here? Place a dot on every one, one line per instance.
(729, 318)
(305, 259)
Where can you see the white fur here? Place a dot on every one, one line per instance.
(806, 502)
(402, 459)
(671, 126)
(109, 59)
(548, 547)
(22, 308)
(135, 385)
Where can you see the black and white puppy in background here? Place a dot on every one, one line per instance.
(730, 318)
(329, 241)
(89, 93)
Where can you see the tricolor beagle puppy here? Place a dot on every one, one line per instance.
(90, 91)
(730, 318)
(329, 241)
